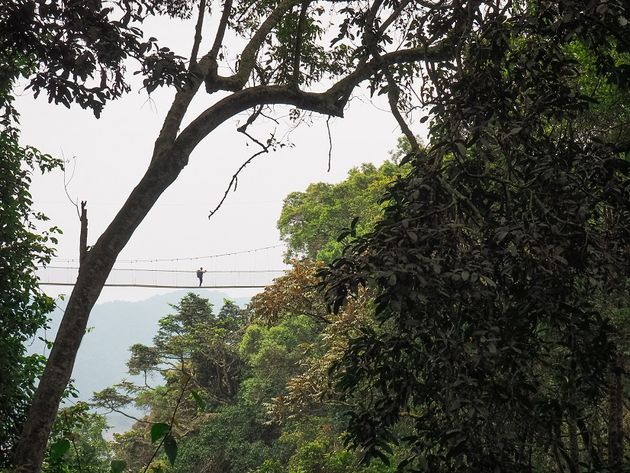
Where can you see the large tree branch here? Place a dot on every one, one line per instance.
(198, 31)
(330, 102)
(218, 39)
(370, 42)
(245, 99)
(247, 61)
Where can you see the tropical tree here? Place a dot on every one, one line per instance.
(24, 245)
(196, 354)
(312, 221)
(310, 55)
(502, 255)
(76, 442)
(23, 307)
(282, 417)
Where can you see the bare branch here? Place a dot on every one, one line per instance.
(393, 93)
(218, 39)
(83, 251)
(264, 150)
(330, 143)
(370, 41)
(174, 118)
(248, 56)
(67, 181)
(198, 29)
(129, 416)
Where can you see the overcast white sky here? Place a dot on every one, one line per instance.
(112, 153)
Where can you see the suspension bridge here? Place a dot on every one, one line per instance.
(220, 271)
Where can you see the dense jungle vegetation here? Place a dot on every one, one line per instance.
(465, 310)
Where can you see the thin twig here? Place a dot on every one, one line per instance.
(170, 425)
(393, 93)
(330, 143)
(264, 150)
(66, 182)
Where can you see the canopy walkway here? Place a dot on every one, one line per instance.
(220, 273)
(160, 278)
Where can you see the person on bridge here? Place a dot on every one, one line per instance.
(200, 272)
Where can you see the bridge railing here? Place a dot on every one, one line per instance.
(147, 277)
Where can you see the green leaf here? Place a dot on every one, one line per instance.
(118, 466)
(59, 448)
(201, 404)
(170, 448)
(159, 430)
(461, 148)
(355, 220)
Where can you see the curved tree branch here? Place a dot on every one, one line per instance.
(247, 61)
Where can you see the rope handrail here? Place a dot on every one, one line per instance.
(162, 286)
(229, 271)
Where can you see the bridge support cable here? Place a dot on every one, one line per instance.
(164, 278)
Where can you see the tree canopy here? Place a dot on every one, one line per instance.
(312, 221)
(502, 255)
(310, 55)
(520, 185)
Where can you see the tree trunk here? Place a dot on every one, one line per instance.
(615, 416)
(574, 452)
(84, 234)
(93, 273)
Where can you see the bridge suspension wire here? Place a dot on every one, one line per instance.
(157, 286)
(184, 258)
(164, 278)
(76, 268)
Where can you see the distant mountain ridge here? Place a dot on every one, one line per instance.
(113, 328)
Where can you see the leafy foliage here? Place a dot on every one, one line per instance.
(23, 247)
(497, 249)
(495, 252)
(77, 443)
(76, 51)
(292, 50)
(312, 221)
(196, 353)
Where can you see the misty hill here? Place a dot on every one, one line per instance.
(113, 328)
